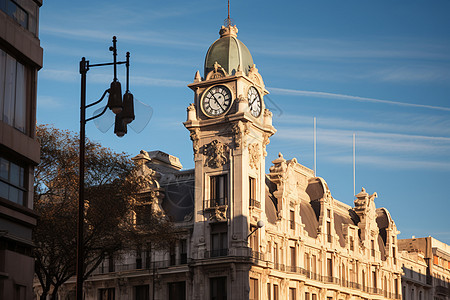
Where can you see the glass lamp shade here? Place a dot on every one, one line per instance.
(120, 128)
(128, 108)
(115, 97)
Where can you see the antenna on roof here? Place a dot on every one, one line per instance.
(315, 148)
(354, 165)
(228, 21)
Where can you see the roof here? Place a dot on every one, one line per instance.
(178, 202)
(229, 52)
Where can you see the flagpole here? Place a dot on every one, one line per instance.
(315, 148)
(354, 165)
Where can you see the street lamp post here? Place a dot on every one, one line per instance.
(124, 114)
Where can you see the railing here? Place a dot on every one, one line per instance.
(257, 255)
(216, 253)
(139, 266)
(211, 203)
(255, 203)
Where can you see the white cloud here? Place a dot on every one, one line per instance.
(371, 142)
(103, 77)
(385, 162)
(326, 95)
(49, 102)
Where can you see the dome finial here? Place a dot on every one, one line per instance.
(228, 21)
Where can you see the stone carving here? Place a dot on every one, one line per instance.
(216, 154)
(218, 72)
(219, 214)
(191, 113)
(266, 142)
(253, 155)
(239, 130)
(194, 138)
(254, 76)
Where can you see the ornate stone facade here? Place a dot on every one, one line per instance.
(248, 234)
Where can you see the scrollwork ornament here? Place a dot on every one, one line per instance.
(194, 138)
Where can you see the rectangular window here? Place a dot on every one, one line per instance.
(183, 251)
(177, 290)
(329, 231)
(307, 265)
(107, 294)
(374, 279)
(172, 255)
(396, 288)
(138, 260)
(314, 296)
(352, 244)
(268, 291)
(253, 289)
(292, 293)
(313, 264)
(110, 263)
(330, 269)
(13, 86)
(254, 244)
(20, 292)
(253, 202)
(12, 181)
(394, 255)
(218, 288)
(219, 240)
(16, 12)
(275, 292)
(293, 260)
(292, 219)
(142, 292)
(306, 296)
(218, 190)
(275, 255)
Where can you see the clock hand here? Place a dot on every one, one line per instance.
(218, 103)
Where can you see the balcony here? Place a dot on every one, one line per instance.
(213, 203)
(154, 265)
(216, 253)
(254, 203)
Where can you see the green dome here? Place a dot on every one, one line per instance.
(229, 52)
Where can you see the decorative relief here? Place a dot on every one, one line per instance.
(219, 214)
(239, 130)
(194, 137)
(254, 75)
(266, 142)
(216, 154)
(253, 154)
(218, 72)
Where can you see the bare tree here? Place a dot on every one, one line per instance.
(111, 187)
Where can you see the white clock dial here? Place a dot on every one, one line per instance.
(216, 101)
(254, 102)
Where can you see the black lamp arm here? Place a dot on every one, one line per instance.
(98, 101)
(96, 116)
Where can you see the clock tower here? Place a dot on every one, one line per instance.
(230, 128)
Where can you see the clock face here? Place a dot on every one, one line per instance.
(216, 101)
(254, 102)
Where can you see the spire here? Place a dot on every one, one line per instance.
(228, 21)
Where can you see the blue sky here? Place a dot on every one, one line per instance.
(379, 69)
